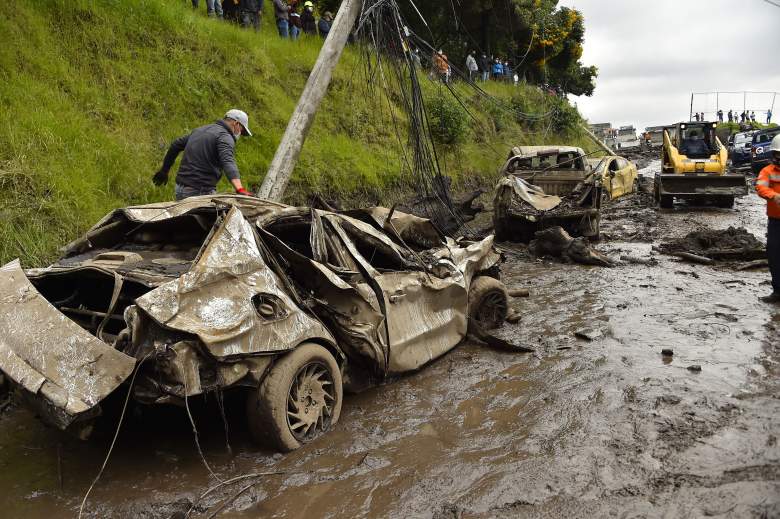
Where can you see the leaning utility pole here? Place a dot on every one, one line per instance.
(289, 149)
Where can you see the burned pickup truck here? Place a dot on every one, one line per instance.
(225, 292)
(547, 186)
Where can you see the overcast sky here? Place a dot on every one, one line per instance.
(652, 54)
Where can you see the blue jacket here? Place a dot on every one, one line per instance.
(498, 69)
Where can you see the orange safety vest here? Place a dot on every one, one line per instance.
(768, 187)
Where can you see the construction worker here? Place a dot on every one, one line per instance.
(768, 188)
(208, 152)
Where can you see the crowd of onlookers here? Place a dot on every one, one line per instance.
(483, 68)
(744, 117)
(292, 17)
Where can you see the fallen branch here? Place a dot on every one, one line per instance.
(754, 265)
(694, 258)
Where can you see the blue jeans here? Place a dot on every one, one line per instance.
(183, 192)
(773, 251)
(212, 6)
(294, 32)
(485, 75)
(284, 28)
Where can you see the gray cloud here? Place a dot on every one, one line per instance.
(652, 54)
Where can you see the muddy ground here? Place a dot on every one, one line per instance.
(599, 427)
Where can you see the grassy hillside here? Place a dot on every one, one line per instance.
(92, 92)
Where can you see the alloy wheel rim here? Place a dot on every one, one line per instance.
(492, 310)
(310, 401)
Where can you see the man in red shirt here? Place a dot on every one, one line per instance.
(768, 188)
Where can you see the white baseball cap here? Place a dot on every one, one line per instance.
(241, 117)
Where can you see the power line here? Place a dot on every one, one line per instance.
(771, 2)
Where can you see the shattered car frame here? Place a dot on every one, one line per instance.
(547, 186)
(218, 292)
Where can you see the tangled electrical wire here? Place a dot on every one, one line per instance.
(390, 62)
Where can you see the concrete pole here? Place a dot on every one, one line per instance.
(598, 141)
(690, 116)
(283, 163)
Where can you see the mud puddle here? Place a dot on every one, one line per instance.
(597, 422)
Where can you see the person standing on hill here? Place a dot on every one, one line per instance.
(498, 70)
(323, 26)
(769, 116)
(208, 152)
(441, 65)
(282, 14)
(249, 13)
(753, 116)
(294, 20)
(731, 116)
(720, 116)
(768, 188)
(308, 23)
(471, 66)
(213, 7)
(484, 67)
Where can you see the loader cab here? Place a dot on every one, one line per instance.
(695, 140)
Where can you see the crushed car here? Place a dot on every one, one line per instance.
(547, 186)
(619, 176)
(293, 305)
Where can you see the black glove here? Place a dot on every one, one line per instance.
(160, 178)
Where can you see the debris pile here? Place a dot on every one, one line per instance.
(732, 244)
(558, 243)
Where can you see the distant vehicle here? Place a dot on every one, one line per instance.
(627, 138)
(618, 176)
(693, 167)
(547, 186)
(739, 149)
(759, 150)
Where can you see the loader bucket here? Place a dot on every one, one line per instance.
(702, 187)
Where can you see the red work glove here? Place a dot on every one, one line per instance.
(244, 192)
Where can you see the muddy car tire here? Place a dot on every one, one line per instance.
(488, 302)
(306, 380)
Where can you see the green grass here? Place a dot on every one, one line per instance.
(93, 91)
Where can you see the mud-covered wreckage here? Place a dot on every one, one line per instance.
(211, 292)
(543, 187)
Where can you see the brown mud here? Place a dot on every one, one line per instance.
(731, 243)
(595, 423)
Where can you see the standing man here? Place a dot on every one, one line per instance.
(753, 116)
(720, 116)
(208, 152)
(249, 13)
(768, 188)
(471, 66)
(484, 65)
(308, 22)
(323, 26)
(212, 7)
(282, 13)
(441, 65)
(769, 116)
(731, 116)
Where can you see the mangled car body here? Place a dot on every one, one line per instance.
(543, 187)
(221, 292)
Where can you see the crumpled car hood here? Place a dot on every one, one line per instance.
(214, 299)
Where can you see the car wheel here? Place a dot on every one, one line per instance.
(488, 302)
(298, 401)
